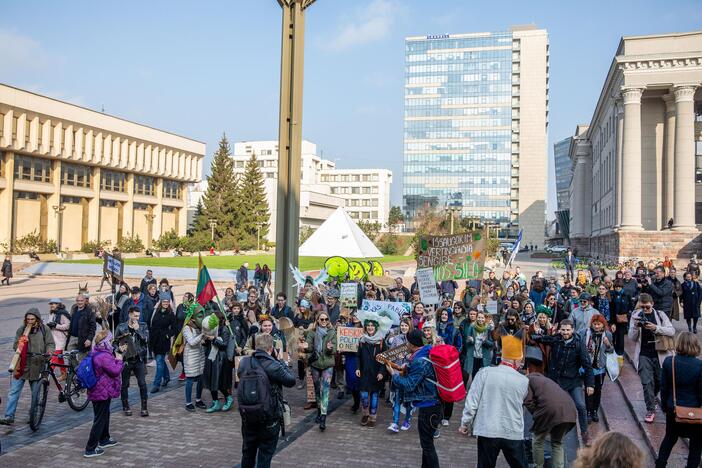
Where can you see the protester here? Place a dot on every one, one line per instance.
(59, 323)
(83, 327)
(682, 388)
(648, 326)
(108, 369)
(219, 352)
(509, 336)
(691, 298)
(598, 342)
(419, 388)
(146, 281)
(620, 314)
(320, 345)
(39, 342)
(281, 308)
(542, 326)
(161, 326)
(582, 315)
(493, 408)
(611, 450)
(133, 334)
(193, 363)
(136, 299)
(260, 437)
(477, 346)
(180, 314)
(399, 401)
(370, 372)
(661, 290)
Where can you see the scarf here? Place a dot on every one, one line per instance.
(372, 339)
(320, 333)
(479, 328)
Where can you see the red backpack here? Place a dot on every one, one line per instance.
(447, 367)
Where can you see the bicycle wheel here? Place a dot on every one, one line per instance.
(36, 410)
(76, 395)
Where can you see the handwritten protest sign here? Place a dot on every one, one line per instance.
(491, 307)
(347, 339)
(395, 309)
(396, 354)
(453, 257)
(427, 286)
(348, 296)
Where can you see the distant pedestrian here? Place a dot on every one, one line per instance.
(108, 370)
(147, 280)
(6, 270)
(691, 299)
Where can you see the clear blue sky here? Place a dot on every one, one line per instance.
(203, 68)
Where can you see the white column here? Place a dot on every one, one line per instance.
(668, 158)
(631, 160)
(684, 192)
(618, 155)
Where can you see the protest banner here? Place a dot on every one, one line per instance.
(395, 309)
(348, 294)
(427, 286)
(491, 307)
(453, 257)
(347, 339)
(396, 354)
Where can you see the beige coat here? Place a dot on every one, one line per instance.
(664, 327)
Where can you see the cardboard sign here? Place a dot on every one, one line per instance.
(347, 339)
(396, 309)
(113, 266)
(453, 257)
(427, 286)
(396, 354)
(491, 307)
(348, 294)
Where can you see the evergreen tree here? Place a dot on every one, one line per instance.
(220, 202)
(200, 222)
(253, 204)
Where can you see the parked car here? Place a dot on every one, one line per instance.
(507, 245)
(556, 249)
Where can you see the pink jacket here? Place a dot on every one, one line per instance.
(108, 371)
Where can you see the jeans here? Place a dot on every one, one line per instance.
(557, 453)
(489, 449)
(259, 438)
(189, 389)
(138, 368)
(16, 386)
(369, 402)
(592, 402)
(100, 431)
(673, 431)
(322, 380)
(578, 396)
(162, 373)
(428, 421)
(397, 406)
(650, 374)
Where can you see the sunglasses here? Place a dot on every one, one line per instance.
(323, 319)
(647, 306)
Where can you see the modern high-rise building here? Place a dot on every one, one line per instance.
(475, 133)
(564, 172)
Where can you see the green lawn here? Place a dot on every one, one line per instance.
(233, 262)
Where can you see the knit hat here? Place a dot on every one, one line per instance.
(415, 338)
(585, 296)
(512, 348)
(333, 293)
(305, 303)
(429, 323)
(542, 309)
(164, 296)
(55, 301)
(209, 324)
(135, 290)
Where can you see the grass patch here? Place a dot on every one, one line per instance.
(231, 262)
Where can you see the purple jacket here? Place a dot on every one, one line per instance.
(108, 371)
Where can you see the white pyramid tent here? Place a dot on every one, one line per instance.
(339, 235)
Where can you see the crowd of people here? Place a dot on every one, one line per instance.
(534, 354)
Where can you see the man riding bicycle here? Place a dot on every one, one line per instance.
(39, 342)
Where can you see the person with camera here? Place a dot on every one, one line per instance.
(132, 338)
(261, 420)
(59, 322)
(660, 288)
(649, 329)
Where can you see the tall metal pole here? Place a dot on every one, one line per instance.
(289, 142)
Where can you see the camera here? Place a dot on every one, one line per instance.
(643, 320)
(51, 325)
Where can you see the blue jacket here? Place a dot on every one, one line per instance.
(415, 384)
(537, 297)
(124, 312)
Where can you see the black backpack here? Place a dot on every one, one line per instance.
(256, 402)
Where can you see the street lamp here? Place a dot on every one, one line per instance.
(213, 224)
(259, 225)
(290, 141)
(452, 210)
(59, 209)
(149, 228)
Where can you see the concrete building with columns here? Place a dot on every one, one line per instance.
(74, 175)
(637, 166)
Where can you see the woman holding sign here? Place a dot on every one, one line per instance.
(370, 372)
(320, 346)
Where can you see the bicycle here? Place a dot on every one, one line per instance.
(73, 392)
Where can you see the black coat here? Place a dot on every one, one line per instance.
(218, 371)
(6, 269)
(369, 367)
(87, 325)
(148, 308)
(688, 382)
(279, 375)
(662, 293)
(565, 361)
(145, 284)
(162, 327)
(691, 299)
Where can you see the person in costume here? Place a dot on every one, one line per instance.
(320, 346)
(398, 395)
(370, 372)
(509, 336)
(193, 363)
(217, 375)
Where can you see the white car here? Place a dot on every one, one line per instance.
(556, 249)
(507, 245)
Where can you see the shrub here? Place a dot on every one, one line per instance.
(130, 244)
(196, 242)
(92, 246)
(169, 240)
(305, 233)
(32, 242)
(228, 243)
(388, 244)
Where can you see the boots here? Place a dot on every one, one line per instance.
(322, 422)
(371, 420)
(365, 417)
(144, 412)
(126, 409)
(318, 419)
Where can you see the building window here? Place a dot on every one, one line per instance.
(113, 181)
(698, 161)
(27, 195)
(143, 185)
(108, 203)
(33, 169)
(74, 200)
(77, 176)
(172, 189)
(168, 209)
(141, 206)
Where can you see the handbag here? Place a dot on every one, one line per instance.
(664, 343)
(622, 318)
(612, 365)
(685, 414)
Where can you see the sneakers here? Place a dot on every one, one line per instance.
(595, 417)
(300, 386)
(394, 428)
(155, 389)
(190, 407)
(107, 444)
(405, 426)
(444, 422)
(200, 404)
(437, 433)
(228, 404)
(127, 410)
(7, 421)
(93, 453)
(650, 416)
(214, 408)
(181, 377)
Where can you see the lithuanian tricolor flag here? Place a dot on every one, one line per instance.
(205, 287)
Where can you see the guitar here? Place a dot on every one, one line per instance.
(386, 361)
(19, 359)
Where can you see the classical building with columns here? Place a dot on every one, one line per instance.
(73, 175)
(637, 183)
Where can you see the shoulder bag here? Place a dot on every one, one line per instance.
(684, 414)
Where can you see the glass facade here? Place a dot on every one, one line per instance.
(458, 124)
(564, 172)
